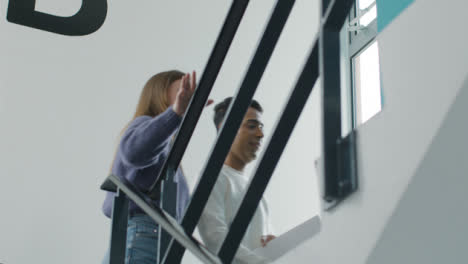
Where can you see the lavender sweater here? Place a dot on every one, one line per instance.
(141, 154)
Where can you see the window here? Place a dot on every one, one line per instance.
(367, 95)
(366, 12)
(360, 67)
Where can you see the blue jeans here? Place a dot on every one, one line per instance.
(142, 241)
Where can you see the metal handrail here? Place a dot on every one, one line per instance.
(165, 221)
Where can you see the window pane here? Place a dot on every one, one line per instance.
(368, 17)
(365, 3)
(368, 100)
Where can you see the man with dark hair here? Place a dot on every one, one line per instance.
(229, 190)
(221, 109)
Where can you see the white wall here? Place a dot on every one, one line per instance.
(429, 224)
(63, 101)
(424, 67)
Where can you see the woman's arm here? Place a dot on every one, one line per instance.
(146, 137)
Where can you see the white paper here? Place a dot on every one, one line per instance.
(290, 240)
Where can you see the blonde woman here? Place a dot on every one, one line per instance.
(143, 148)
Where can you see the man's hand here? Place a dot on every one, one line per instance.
(266, 239)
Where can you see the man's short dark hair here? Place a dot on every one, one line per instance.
(222, 107)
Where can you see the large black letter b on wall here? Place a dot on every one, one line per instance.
(89, 18)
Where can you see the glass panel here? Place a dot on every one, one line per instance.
(346, 84)
(365, 3)
(367, 16)
(367, 84)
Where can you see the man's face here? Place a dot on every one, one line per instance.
(249, 136)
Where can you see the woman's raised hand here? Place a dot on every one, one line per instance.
(185, 93)
(186, 90)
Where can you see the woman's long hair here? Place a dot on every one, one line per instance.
(153, 98)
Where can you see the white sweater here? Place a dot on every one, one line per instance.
(220, 212)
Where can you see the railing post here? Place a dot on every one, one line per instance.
(168, 202)
(119, 229)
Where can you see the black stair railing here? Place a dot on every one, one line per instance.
(158, 215)
(198, 102)
(340, 170)
(228, 131)
(270, 157)
(165, 178)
